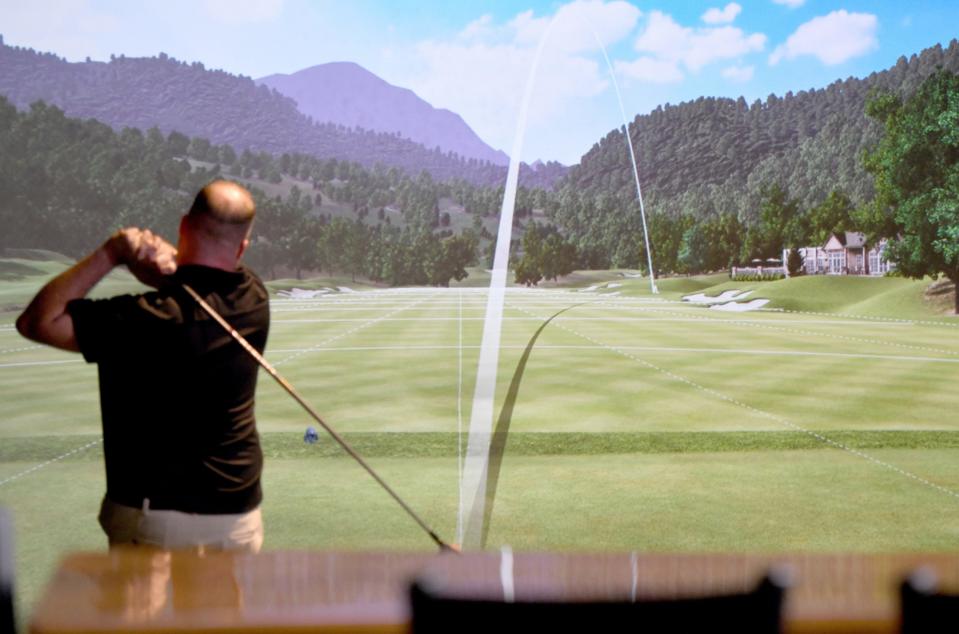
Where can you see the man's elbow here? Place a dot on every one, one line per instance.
(52, 333)
(27, 327)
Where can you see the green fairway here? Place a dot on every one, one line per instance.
(637, 423)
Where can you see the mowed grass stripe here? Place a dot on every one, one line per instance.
(392, 390)
(821, 501)
(816, 392)
(589, 346)
(282, 445)
(777, 326)
(50, 399)
(374, 321)
(812, 332)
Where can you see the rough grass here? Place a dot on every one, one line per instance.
(317, 283)
(22, 277)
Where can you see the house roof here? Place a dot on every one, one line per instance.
(848, 239)
(855, 239)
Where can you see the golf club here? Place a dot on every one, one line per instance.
(299, 399)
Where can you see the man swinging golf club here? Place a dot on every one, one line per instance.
(182, 453)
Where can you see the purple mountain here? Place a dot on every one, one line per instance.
(347, 94)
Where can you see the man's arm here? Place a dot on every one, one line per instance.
(46, 319)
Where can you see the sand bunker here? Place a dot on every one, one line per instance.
(727, 300)
(725, 296)
(740, 307)
(302, 293)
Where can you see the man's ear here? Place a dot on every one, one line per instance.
(242, 248)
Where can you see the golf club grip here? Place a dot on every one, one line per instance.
(286, 385)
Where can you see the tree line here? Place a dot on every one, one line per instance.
(65, 184)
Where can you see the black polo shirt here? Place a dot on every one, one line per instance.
(177, 393)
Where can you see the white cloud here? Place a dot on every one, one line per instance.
(650, 69)
(832, 38)
(478, 28)
(722, 16)
(230, 11)
(740, 74)
(792, 4)
(574, 26)
(481, 72)
(71, 28)
(694, 48)
(579, 24)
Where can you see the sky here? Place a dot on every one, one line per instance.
(474, 58)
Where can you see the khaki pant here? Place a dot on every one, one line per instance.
(175, 529)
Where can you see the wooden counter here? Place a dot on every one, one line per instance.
(140, 590)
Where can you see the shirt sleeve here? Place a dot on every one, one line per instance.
(103, 326)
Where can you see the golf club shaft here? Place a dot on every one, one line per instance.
(286, 385)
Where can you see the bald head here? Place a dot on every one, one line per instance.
(218, 223)
(223, 207)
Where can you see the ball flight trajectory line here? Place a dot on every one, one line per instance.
(286, 385)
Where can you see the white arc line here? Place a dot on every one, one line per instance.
(632, 157)
(476, 466)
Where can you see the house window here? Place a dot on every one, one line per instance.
(837, 261)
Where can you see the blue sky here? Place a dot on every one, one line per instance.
(474, 57)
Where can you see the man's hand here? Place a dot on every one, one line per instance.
(148, 256)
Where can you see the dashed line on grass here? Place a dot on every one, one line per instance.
(797, 331)
(24, 349)
(351, 331)
(861, 317)
(21, 364)
(774, 417)
(34, 468)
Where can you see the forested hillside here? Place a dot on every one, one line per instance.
(709, 166)
(65, 184)
(187, 98)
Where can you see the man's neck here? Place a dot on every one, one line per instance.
(210, 260)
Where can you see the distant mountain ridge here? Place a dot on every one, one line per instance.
(703, 154)
(345, 93)
(226, 109)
